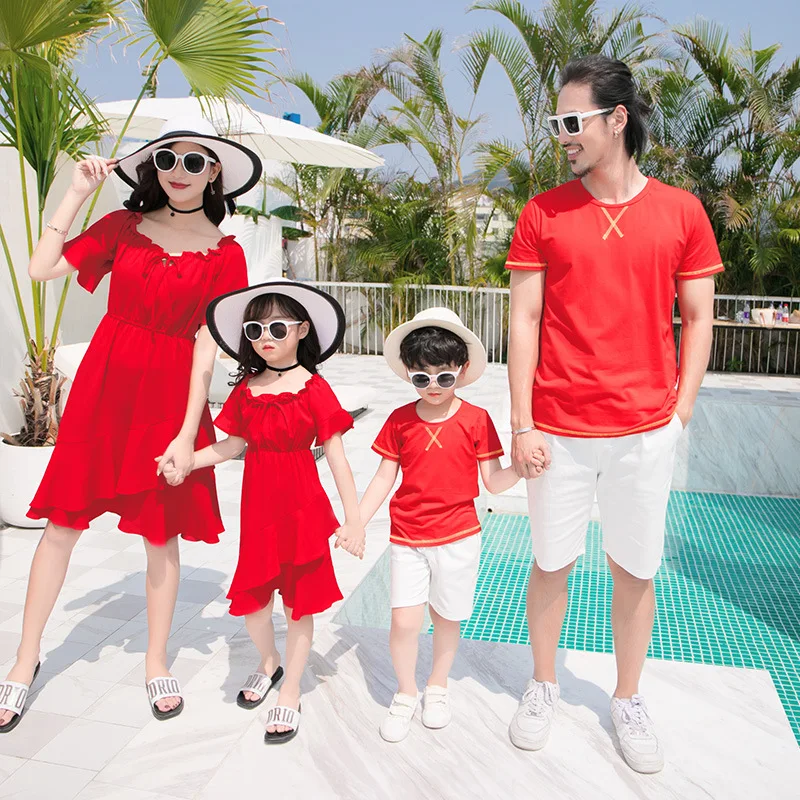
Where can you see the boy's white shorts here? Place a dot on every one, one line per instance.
(444, 575)
(631, 476)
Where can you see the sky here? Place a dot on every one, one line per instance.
(326, 38)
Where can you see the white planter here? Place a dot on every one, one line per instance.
(21, 472)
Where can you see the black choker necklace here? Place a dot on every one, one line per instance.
(175, 211)
(280, 370)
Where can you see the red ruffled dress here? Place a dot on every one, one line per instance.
(129, 396)
(287, 519)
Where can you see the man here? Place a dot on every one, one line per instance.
(594, 382)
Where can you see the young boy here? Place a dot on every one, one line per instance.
(440, 442)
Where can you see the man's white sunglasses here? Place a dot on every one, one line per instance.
(572, 123)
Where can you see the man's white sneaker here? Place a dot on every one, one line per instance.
(530, 727)
(397, 722)
(436, 707)
(636, 733)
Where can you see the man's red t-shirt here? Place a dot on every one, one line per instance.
(607, 362)
(435, 502)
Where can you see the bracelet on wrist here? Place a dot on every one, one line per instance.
(520, 431)
(57, 230)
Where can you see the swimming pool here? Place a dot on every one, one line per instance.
(727, 594)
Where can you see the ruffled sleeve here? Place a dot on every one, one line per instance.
(329, 416)
(92, 252)
(232, 272)
(230, 419)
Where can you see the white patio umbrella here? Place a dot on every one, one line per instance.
(269, 136)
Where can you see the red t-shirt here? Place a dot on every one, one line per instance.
(435, 502)
(607, 362)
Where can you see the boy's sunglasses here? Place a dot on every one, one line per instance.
(278, 329)
(572, 123)
(444, 380)
(193, 162)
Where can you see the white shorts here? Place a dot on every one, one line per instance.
(631, 476)
(444, 576)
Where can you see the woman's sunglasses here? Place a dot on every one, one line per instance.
(572, 123)
(278, 329)
(444, 380)
(193, 162)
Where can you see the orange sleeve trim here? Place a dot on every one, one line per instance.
(493, 454)
(429, 542)
(385, 453)
(651, 426)
(532, 265)
(700, 273)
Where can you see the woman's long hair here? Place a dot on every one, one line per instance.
(308, 349)
(149, 196)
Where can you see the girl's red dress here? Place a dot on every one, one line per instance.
(129, 396)
(286, 516)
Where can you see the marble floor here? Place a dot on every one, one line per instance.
(89, 734)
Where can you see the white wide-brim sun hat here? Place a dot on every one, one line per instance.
(241, 167)
(225, 314)
(437, 318)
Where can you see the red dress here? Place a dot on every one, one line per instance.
(129, 396)
(286, 517)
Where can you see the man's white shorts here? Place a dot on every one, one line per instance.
(444, 576)
(631, 476)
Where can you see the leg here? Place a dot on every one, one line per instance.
(547, 605)
(632, 614)
(446, 635)
(262, 632)
(404, 645)
(48, 569)
(298, 645)
(163, 577)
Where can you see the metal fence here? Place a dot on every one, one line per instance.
(373, 309)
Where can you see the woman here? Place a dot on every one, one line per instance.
(142, 387)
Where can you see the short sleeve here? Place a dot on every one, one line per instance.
(386, 444)
(92, 252)
(232, 274)
(229, 420)
(329, 416)
(487, 442)
(524, 252)
(701, 256)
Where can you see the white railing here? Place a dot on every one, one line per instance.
(373, 309)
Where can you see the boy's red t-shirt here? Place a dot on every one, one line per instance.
(607, 362)
(439, 460)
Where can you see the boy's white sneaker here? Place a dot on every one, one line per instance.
(636, 733)
(397, 722)
(530, 727)
(436, 711)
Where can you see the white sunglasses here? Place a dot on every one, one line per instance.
(572, 122)
(278, 329)
(194, 163)
(444, 380)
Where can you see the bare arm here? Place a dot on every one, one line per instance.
(495, 478)
(47, 262)
(219, 452)
(696, 301)
(527, 301)
(378, 489)
(351, 535)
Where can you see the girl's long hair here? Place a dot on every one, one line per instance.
(308, 349)
(150, 196)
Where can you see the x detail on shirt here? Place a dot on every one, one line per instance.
(434, 439)
(613, 222)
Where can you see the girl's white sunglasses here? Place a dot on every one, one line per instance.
(444, 380)
(278, 329)
(194, 163)
(572, 123)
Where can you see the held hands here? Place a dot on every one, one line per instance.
(351, 538)
(177, 461)
(90, 173)
(530, 454)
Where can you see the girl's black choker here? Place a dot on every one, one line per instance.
(174, 211)
(280, 370)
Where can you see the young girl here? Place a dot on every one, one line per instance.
(279, 332)
(141, 388)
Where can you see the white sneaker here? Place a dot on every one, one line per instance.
(397, 722)
(530, 727)
(436, 707)
(637, 736)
